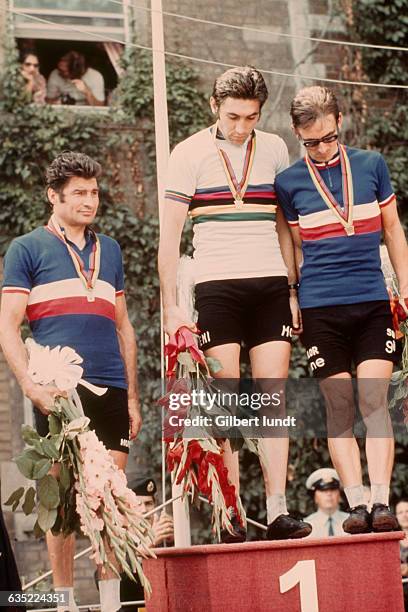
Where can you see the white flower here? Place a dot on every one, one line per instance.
(75, 427)
(59, 366)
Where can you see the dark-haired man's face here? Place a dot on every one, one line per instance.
(63, 68)
(323, 127)
(237, 118)
(77, 204)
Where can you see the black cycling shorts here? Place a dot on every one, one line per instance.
(108, 414)
(248, 310)
(337, 336)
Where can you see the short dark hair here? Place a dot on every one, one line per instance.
(311, 103)
(246, 83)
(67, 165)
(76, 64)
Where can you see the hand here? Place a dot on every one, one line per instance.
(296, 314)
(174, 318)
(135, 418)
(80, 85)
(402, 309)
(163, 528)
(404, 569)
(28, 76)
(43, 396)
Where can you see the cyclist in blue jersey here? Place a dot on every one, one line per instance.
(339, 202)
(68, 282)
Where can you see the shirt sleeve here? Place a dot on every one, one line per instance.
(285, 202)
(181, 182)
(283, 157)
(94, 80)
(17, 270)
(53, 90)
(384, 191)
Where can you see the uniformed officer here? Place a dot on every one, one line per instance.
(328, 519)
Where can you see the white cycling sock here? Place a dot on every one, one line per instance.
(275, 505)
(380, 494)
(355, 495)
(71, 605)
(109, 594)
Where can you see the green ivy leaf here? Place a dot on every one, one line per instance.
(48, 492)
(15, 497)
(49, 448)
(54, 424)
(29, 434)
(29, 501)
(41, 468)
(46, 518)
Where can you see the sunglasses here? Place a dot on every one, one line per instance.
(311, 144)
(31, 64)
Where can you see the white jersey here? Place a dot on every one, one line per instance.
(230, 241)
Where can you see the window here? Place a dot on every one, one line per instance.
(110, 21)
(52, 28)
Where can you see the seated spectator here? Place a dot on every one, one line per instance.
(36, 85)
(72, 82)
(328, 519)
(401, 512)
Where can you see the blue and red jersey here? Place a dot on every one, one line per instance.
(337, 268)
(59, 312)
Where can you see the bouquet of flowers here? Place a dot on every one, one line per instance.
(399, 309)
(197, 462)
(91, 491)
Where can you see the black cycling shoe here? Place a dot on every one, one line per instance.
(239, 531)
(358, 521)
(285, 527)
(382, 519)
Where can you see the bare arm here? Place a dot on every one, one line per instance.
(173, 220)
(297, 241)
(286, 245)
(13, 306)
(128, 350)
(395, 240)
(90, 98)
(288, 254)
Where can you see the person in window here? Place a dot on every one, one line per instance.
(72, 82)
(36, 85)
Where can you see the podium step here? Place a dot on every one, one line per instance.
(358, 573)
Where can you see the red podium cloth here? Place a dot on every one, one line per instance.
(358, 573)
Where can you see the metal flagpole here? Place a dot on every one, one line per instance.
(180, 510)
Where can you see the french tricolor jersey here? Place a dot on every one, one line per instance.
(338, 269)
(38, 264)
(229, 242)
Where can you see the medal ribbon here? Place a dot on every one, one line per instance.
(238, 189)
(88, 278)
(345, 219)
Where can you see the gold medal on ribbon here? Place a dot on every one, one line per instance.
(237, 189)
(346, 218)
(88, 278)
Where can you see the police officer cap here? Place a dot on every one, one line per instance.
(144, 486)
(323, 479)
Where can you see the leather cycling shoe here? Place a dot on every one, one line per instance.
(358, 521)
(239, 531)
(382, 519)
(285, 527)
